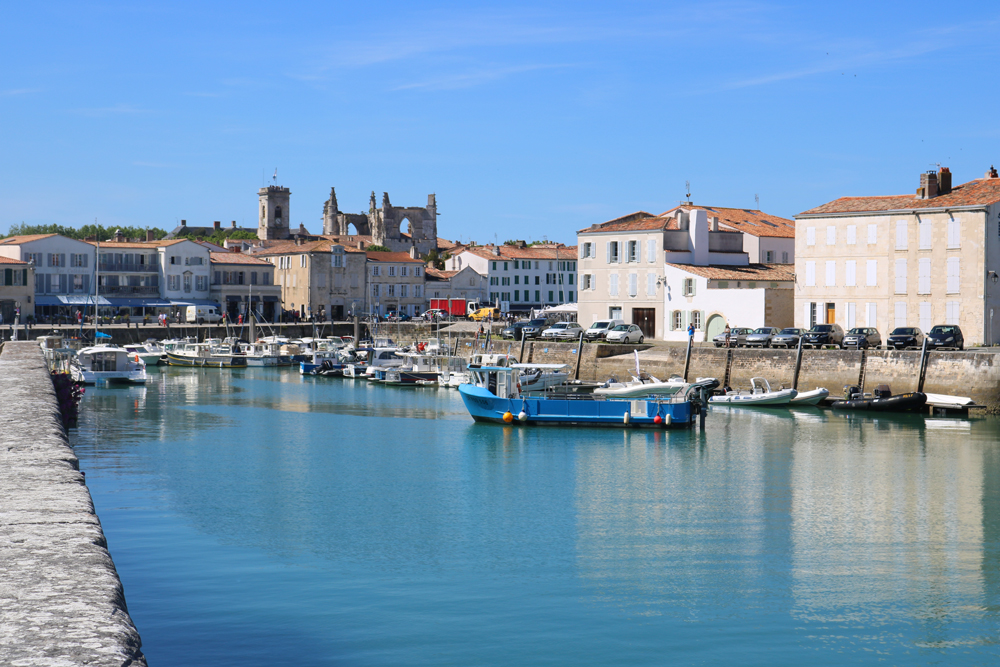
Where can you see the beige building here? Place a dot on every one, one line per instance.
(465, 284)
(904, 260)
(395, 283)
(239, 279)
(17, 287)
(318, 278)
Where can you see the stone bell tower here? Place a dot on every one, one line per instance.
(273, 216)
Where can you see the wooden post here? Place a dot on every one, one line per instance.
(687, 358)
(520, 356)
(579, 356)
(923, 365)
(798, 365)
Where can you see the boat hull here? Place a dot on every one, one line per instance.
(809, 397)
(483, 406)
(206, 362)
(900, 403)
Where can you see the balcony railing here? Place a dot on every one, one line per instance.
(128, 268)
(107, 290)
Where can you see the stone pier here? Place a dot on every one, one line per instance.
(61, 602)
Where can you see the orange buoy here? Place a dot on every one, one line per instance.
(508, 417)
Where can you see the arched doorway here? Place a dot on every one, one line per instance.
(716, 325)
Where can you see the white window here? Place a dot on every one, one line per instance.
(901, 277)
(951, 312)
(613, 284)
(852, 234)
(901, 235)
(676, 320)
(392, 270)
(769, 257)
(376, 270)
(872, 234)
(924, 276)
(402, 291)
(810, 273)
(850, 273)
(871, 268)
(633, 251)
(900, 314)
(651, 251)
(201, 283)
(337, 261)
(851, 315)
(392, 289)
(651, 284)
(810, 236)
(954, 269)
(924, 228)
(587, 281)
(696, 319)
(633, 284)
(831, 235)
(302, 261)
(402, 271)
(613, 253)
(417, 289)
(173, 282)
(417, 270)
(689, 287)
(926, 321)
(831, 273)
(375, 291)
(870, 313)
(954, 234)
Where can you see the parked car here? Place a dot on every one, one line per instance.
(761, 337)
(904, 337)
(517, 330)
(435, 314)
(787, 337)
(734, 337)
(533, 328)
(945, 335)
(599, 329)
(823, 334)
(862, 338)
(563, 331)
(625, 333)
(396, 316)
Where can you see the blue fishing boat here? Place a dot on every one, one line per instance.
(495, 396)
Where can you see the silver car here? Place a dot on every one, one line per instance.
(563, 331)
(625, 333)
(762, 337)
(787, 338)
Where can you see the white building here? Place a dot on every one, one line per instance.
(64, 271)
(526, 277)
(465, 284)
(767, 239)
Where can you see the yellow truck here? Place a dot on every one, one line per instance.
(485, 314)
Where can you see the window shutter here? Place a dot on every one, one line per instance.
(8, 276)
(831, 273)
(806, 312)
(607, 246)
(810, 273)
(872, 234)
(651, 251)
(924, 276)
(651, 284)
(86, 284)
(633, 284)
(925, 234)
(62, 259)
(901, 236)
(954, 272)
(49, 258)
(901, 278)
(850, 276)
(872, 270)
(62, 283)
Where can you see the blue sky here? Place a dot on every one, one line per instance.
(527, 120)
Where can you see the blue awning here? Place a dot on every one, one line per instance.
(47, 301)
(195, 302)
(83, 300)
(134, 302)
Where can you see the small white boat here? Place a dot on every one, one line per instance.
(150, 354)
(809, 397)
(760, 394)
(643, 385)
(539, 377)
(103, 363)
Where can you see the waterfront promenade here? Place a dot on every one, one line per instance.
(61, 601)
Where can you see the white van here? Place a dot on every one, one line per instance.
(202, 314)
(599, 329)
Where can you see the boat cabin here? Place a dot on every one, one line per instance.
(105, 359)
(499, 381)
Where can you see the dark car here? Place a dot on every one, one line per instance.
(762, 337)
(516, 330)
(737, 337)
(904, 337)
(823, 334)
(533, 328)
(862, 338)
(945, 336)
(787, 337)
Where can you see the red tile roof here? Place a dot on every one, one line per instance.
(234, 258)
(762, 272)
(151, 245)
(8, 260)
(391, 257)
(14, 240)
(438, 274)
(640, 220)
(509, 252)
(749, 221)
(980, 192)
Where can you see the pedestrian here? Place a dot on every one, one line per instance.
(691, 332)
(727, 331)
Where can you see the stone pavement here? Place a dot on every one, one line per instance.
(61, 602)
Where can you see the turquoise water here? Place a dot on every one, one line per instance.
(261, 518)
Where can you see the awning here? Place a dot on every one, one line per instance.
(83, 300)
(48, 301)
(135, 302)
(195, 302)
(233, 297)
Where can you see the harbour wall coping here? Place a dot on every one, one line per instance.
(61, 601)
(960, 373)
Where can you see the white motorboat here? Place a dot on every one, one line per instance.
(103, 363)
(539, 377)
(760, 394)
(264, 354)
(151, 354)
(809, 397)
(643, 385)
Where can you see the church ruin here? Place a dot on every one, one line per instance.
(385, 225)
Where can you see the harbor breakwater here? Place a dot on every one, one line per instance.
(972, 374)
(61, 601)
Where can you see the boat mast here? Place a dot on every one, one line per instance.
(97, 281)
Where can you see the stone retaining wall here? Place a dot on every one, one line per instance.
(61, 602)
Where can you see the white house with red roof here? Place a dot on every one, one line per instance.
(665, 272)
(915, 260)
(523, 277)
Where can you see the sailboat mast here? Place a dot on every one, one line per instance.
(97, 281)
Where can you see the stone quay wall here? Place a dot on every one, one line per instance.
(972, 374)
(61, 602)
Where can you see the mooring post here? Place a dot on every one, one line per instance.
(798, 365)
(687, 359)
(357, 331)
(520, 356)
(923, 366)
(579, 356)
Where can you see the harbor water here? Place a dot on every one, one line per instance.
(257, 517)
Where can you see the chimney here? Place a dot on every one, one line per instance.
(928, 185)
(944, 181)
(217, 225)
(713, 224)
(992, 173)
(361, 245)
(119, 236)
(234, 224)
(184, 223)
(298, 240)
(149, 235)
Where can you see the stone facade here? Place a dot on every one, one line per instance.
(274, 214)
(384, 224)
(318, 278)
